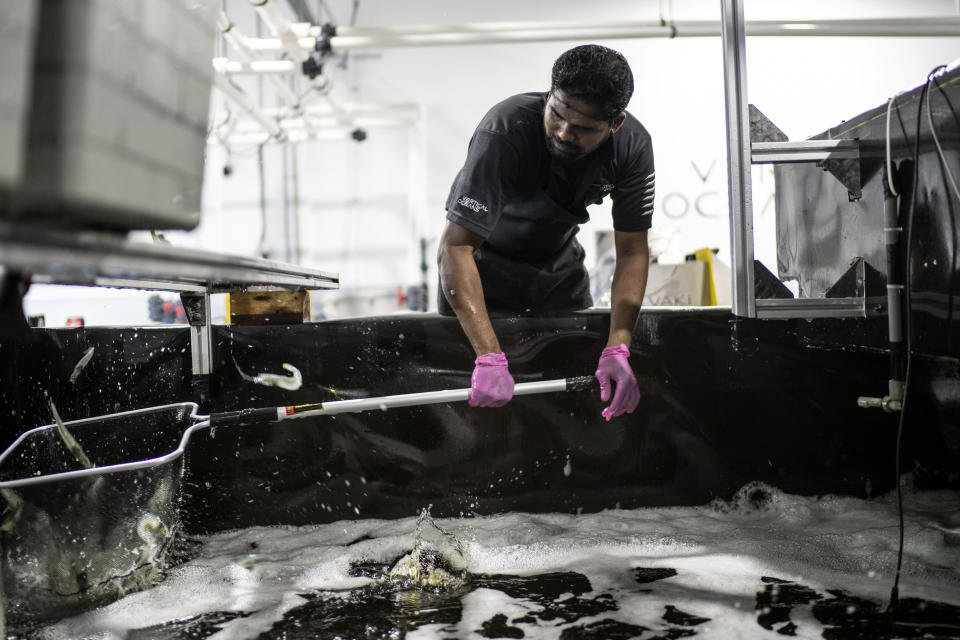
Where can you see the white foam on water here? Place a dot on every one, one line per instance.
(720, 552)
(477, 608)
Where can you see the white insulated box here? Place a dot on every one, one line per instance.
(118, 124)
(17, 25)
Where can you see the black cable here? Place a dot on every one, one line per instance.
(908, 338)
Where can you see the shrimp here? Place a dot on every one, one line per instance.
(71, 443)
(87, 356)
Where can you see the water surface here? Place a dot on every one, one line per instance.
(765, 564)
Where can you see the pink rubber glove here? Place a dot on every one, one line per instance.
(491, 384)
(614, 366)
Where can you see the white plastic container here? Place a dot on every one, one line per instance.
(17, 25)
(119, 118)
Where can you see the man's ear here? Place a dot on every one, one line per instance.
(617, 122)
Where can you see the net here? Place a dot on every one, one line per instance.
(72, 538)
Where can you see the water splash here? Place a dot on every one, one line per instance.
(438, 561)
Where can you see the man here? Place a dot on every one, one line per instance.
(534, 163)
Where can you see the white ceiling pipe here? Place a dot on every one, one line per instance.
(247, 127)
(244, 102)
(239, 42)
(353, 38)
(278, 23)
(945, 25)
(349, 108)
(255, 67)
(294, 135)
(264, 138)
(374, 107)
(371, 122)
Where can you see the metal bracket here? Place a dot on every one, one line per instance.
(847, 171)
(840, 157)
(197, 309)
(861, 279)
(762, 128)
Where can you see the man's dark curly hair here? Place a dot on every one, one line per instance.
(597, 75)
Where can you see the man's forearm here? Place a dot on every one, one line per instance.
(464, 291)
(626, 297)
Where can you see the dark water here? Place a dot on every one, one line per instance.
(564, 605)
(790, 566)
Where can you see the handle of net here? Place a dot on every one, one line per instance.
(382, 403)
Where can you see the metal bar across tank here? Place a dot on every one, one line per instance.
(90, 258)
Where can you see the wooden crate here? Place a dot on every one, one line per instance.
(268, 307)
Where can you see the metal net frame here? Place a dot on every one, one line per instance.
(73, 538)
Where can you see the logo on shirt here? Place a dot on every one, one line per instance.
(606, 188)
(472, 204)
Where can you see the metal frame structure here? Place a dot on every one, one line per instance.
(738, 157)
(96, 259)
(742, 154)
(106, 260)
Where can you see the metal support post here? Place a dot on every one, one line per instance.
(738, 157)
(197, 308)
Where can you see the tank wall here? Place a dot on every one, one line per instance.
(780, 407)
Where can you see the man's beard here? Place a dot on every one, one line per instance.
(564, 152)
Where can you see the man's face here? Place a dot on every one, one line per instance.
(574, 128)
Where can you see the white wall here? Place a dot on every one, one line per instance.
(355, 214)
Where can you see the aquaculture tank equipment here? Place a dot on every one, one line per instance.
(754, 492)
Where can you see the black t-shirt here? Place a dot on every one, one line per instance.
(526, 204)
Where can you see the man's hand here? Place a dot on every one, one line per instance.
(614, 367)
(491, 384)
